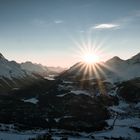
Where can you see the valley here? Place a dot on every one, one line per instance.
(72, 105)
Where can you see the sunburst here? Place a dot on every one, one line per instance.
(91, 56)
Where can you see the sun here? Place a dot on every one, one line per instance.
(89, 53)
(90, 58)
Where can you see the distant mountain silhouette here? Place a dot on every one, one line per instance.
(41, 69)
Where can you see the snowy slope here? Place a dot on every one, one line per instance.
(10, 69)
(12, 76)
(125, 124)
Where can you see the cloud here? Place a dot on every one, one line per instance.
(58, 21)
(105, 26)
(122, 22)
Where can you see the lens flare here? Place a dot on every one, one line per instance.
(90, 58)
(92, 66)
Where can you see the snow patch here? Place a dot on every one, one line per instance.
(49, 78)
(15, 136)
(121, 108)
(118, 132)
(31, 100)
(78, 92)
(125, 122)
(61, 95)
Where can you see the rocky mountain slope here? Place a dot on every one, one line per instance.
(10, 69)
(12, 76)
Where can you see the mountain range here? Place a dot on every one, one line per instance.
(99, 101)
(40, 69)
(14, 75)
(113, 70)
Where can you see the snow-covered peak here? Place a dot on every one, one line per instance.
(10, 69)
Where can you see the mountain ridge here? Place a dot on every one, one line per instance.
(114, 69)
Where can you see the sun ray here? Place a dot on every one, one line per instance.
(92, 54)
(100, 69)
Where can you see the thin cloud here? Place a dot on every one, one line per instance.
(120, 22)
(58, 21)
(105, 26)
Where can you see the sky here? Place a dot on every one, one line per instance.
(51, 32)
